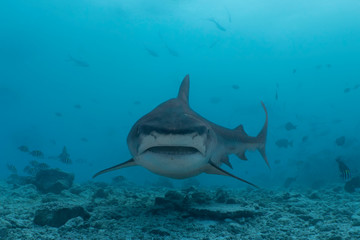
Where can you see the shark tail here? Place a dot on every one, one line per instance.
(261, 137)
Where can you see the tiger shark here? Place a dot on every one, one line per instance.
(174, 141)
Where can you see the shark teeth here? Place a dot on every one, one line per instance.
(172, 144)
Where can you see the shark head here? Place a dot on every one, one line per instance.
(174, 141)
(171, 140)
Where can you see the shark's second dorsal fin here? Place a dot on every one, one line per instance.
(240, 128)
(184, 90)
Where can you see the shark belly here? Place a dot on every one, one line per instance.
(173, 166)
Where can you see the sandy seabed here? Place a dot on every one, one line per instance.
(102, 211)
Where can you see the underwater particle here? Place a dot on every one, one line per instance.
(151, 52)
(235, 86)
(218, 25)
(11, 168)
(356, 86)
(84, 139)
(328, 65)
(340, 141)
(319, 66)
(65, 157)
(37, 153)
(77, 106)
(304, 139)
(284, 143)
(294, 71)
(344, 170)
(137, 102)
(23, 148)
(289, 126)
(58, 114)
(347, 90)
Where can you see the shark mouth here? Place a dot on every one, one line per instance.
(173, 150)
(172, 144)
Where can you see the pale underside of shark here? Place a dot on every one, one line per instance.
(174, 141)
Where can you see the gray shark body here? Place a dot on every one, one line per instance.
(174, 141)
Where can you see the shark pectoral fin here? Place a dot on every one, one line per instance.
(261, 137)
(128, 163)
(213, 169)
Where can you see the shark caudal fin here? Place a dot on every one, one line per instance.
(128, 163)
(261, 137)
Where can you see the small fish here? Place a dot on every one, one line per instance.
(58, 114)
(34, 163)
(235, 86)
(43, 166)
(77, 106)
(289, 126)
(304, 139)
(11, 168)
(340, 141)
(151, 52)
(221, 28)
(347, 90)
(344, 170)
(37, 153)
(23, 148)
(65, 157)
(284, 143)
(78, 62)
(137, 102)
(214, 43)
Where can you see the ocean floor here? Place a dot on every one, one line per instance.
(124, 211)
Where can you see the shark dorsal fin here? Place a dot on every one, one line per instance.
(184, 90)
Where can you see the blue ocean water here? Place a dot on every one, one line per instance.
(80, 73)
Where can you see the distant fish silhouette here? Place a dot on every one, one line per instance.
(344, 170)
(65, 157)
(214, 43)
(221, 28)
(58, 114)
(356, 86)
(283, 143)
(151, 52)
(78, 62)
(289, 126)
(171, 51)
(77, 106)
(347, 90)
(37, 153)
(304, 139)
(294, 71)
(11, 168)
(340, 141)
(84, 139)
(23, 148)
(235, 86)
